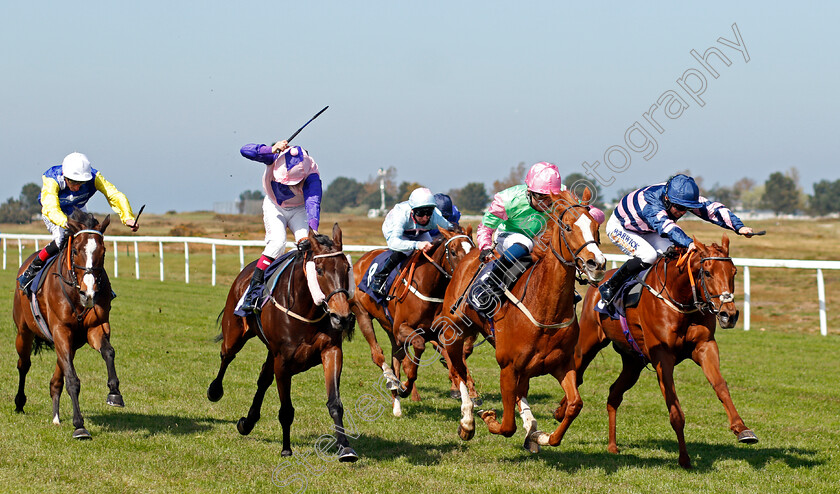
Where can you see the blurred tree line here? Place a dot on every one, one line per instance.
(24, 208)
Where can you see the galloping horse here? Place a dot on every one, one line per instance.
(536, 333)
(74, 302)
(409, 315)
(674, 320)
(300, 332)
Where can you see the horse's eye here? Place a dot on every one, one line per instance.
(319, 270)
(707, 273)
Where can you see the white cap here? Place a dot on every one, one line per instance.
(76, 167)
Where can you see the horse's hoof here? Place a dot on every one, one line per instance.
(215, 393)
(245, 429)
(392, 385)
(347, 455)
(81, 433)
(464, 433)
(115, 400)
(454, 394)
(403, 392)
(286, 452)
(477, 401)
(531, 446)
(747, 437)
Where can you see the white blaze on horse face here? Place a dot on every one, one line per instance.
(352, 287)
(318, 296)
(88, 278)
(466, 246)
(583, 223)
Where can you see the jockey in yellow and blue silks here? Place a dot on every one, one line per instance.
(66, 187)
(644, 224)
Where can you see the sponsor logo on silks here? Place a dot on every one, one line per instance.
(624, 240)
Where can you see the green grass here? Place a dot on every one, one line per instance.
(170, 438)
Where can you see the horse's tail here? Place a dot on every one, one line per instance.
(39, 344)
(219, 336)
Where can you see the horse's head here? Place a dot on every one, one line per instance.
(333, 273)
(574, 236)
(86, 253)
(456, 244)
(716, 277)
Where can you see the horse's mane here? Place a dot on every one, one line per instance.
(306, 245)
(86, 219)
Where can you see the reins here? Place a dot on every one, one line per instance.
(73, 279)
(706, 303)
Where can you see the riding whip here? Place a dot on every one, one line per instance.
(307, 123)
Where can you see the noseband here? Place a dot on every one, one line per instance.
(577, 262)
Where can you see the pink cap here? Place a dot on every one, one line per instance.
(597, 214)
(544, 178)
(293, 165)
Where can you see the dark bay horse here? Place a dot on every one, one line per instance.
(412, 309)
(674, 320)
(75, 302)
(298, 331)
(536, 335)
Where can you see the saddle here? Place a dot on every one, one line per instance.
(272, 274)
(375, 269)
(486, 294)
(627, 297)
(39, 277)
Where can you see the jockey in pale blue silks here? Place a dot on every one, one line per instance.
(643, 225)
(406, 229)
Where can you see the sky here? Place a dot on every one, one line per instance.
(161, 95)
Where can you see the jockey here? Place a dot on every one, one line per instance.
(292, 188)
(66, 187)
(643, 225)
(447, 209)
(406, 228)
(516, 215)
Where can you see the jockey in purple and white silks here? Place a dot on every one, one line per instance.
(66, 187)
(644, 224)
(293, 192)
(406, 229)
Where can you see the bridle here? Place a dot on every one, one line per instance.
(70, 278)
(448, 255)
(337, 290)
(577, 262)
(705, 302)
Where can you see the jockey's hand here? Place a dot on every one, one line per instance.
(424, 246)
(691, 247)
(746, 231)
(280, 146)
(485, 253)
(133, 225)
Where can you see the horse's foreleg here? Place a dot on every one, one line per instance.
(458, 375)
(23, 344)
(234, 336)
(630, 369)
(376, 353)
(56, 387)
(573, 404)
(333, 359)
(664, 364)
(246, 424)
(707, 357)
(413, 348)
(100, 339)
(286, 415)
(511, 393)
(65, 352)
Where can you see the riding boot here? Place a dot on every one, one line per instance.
(252, 296)
(501, 274)
(26, 278)
(377, 285)
(630, 268)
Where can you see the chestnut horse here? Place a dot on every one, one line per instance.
(536, 334)
(412, 310)
(298, 331)
(674, 320)
(75, 302)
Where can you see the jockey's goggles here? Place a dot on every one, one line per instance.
(424, 211)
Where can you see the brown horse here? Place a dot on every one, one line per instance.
(674, 320)
(413, 309)
(298, 331)
(536, 335)
(75, 302)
